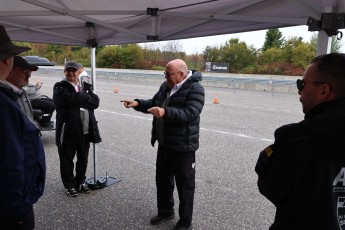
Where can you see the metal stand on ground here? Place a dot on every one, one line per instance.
(97, 182)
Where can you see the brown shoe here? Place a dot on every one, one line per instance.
(160, 219)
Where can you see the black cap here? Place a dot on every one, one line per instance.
(71, 64)
(20, 62)
(7, 49)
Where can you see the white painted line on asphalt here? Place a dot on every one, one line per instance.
(123, 114)
(210, 130)
(237, 134)
(207, 102)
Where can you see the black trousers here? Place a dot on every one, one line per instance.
(26, 222)
(67, 154)
(181, 166)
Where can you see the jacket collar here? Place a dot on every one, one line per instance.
(324, 107)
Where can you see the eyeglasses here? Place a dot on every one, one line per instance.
(301, 83)
(168, 74)
(25, 71)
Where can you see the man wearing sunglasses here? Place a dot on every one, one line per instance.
(176, 109)
(19, 78)
(303, 172)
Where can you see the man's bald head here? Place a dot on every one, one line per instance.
(180, 65)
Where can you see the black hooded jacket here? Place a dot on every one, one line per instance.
(303, 172)
(182, 114)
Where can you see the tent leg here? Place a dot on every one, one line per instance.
(97, 182)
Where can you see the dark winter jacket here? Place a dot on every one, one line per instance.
(22, 159)
(303, 172)
(69, 126)
(182, 114)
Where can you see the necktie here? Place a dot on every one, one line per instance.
(77, 88)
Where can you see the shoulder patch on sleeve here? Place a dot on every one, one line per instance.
(268, 150)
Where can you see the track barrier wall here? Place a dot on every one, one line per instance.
(270, 83)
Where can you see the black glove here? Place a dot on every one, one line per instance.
(87, 87)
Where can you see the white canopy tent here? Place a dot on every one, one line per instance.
(109, 22)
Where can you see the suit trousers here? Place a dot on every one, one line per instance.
(67, 154)
(181, 166)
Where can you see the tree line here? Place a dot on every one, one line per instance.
(277, 55)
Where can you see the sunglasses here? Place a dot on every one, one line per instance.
(301, 83)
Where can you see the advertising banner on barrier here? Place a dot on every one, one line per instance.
(218, 67)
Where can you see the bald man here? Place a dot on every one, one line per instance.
(176, 109)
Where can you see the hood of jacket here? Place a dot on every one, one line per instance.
(196, 76)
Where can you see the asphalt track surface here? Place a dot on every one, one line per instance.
(232, 134)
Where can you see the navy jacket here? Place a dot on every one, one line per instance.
(69, 127)
(303, 172)
(182, 114)
(22, 159)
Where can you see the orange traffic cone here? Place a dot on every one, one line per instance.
(216, 100)
(116, 90)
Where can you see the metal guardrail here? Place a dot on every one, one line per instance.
(259, 84)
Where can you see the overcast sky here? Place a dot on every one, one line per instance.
(257, 39)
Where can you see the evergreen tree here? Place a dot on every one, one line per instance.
(273, 39)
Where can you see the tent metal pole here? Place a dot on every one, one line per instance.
(323, 43)
(97, 182)
(93, 72)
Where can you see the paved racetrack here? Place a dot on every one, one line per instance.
(232, 134)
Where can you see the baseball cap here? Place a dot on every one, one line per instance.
(20, 62)
(71, 64)
(7, 49)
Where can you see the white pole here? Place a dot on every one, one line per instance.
(93, 74)
(323, 43)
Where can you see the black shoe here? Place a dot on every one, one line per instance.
(72, 192)
(160, 219)
(83, 188)
(183, 228)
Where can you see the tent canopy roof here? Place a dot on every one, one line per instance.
(107, 22)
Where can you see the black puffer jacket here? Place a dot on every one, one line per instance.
(182, 114)
(69, 127)
(303, 172)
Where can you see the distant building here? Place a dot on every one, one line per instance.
(218, 67)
